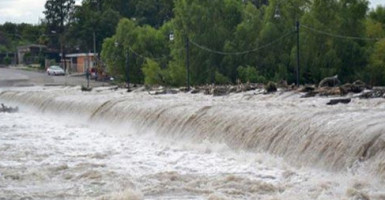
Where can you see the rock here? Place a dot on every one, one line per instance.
(309, 94)
(324, 91)
(271, 87)
(86, 89)
(377, 92)
(346, 88)
(195, 91)
(115, 88)
(307, 88)
(208, 91)
(283, 84)
(160, 92)
(329, 82)
(329, 91)
(356, 87)
(172, 91)
(184, 89)
(166, 91)
(7, 109)
(249, 87)
(220, 91)
(233, 89)
(337, 101)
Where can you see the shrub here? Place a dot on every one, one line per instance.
(250, 74)
(7, 60)
(153, 74)
(221, 79)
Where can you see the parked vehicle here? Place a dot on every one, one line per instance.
(55, 70)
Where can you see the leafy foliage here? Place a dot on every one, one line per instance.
(13, 35)
(234, 27)
(250, 74)
(250, 40)
(134, 44)
(153, 73)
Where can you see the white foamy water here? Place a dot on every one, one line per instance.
(114, 145)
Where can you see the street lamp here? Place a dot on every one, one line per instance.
(277, 15)
(171, 36)
(127, 65)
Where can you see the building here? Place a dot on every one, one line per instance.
(80, 62)
(31, 54)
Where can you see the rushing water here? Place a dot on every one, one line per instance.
(112, 145)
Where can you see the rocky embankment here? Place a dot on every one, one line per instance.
(328, 87)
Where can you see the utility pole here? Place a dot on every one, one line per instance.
(88, 74)
(127, 69)
(95, 61)
(94, 44)
(297, 31)
(188, 62)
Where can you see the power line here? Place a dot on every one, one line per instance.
(339, 36)
(146, 57)
(241, 52)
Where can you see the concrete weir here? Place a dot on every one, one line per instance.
(110, 144)
(306, 132)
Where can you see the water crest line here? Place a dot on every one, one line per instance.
(304, 135)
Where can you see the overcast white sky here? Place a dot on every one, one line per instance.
(30, 11)
(19, 11)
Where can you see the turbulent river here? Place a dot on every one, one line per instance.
(65, 144)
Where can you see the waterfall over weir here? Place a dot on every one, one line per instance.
(305, 132)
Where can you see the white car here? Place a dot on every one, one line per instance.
(55, 70)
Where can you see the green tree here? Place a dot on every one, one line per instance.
(135, 45)
(153, 13)
(114, 58)
(319, 58)
(209, 23)
(250, 74)
(89, 20)
(377, 64)
(246, 37)
(375, 28)
(58, 13)
(153, 73)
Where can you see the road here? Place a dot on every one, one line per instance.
(18, 77)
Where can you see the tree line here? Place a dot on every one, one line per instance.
(253, 41)
(228, 40)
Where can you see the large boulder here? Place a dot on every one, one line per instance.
(329, 82)
(356, 87)
(377, 92)
(195, 91)
(220, 91)
(337, 101)
(324, 91)
(86, 89)
(271, 87)
(346, 88)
